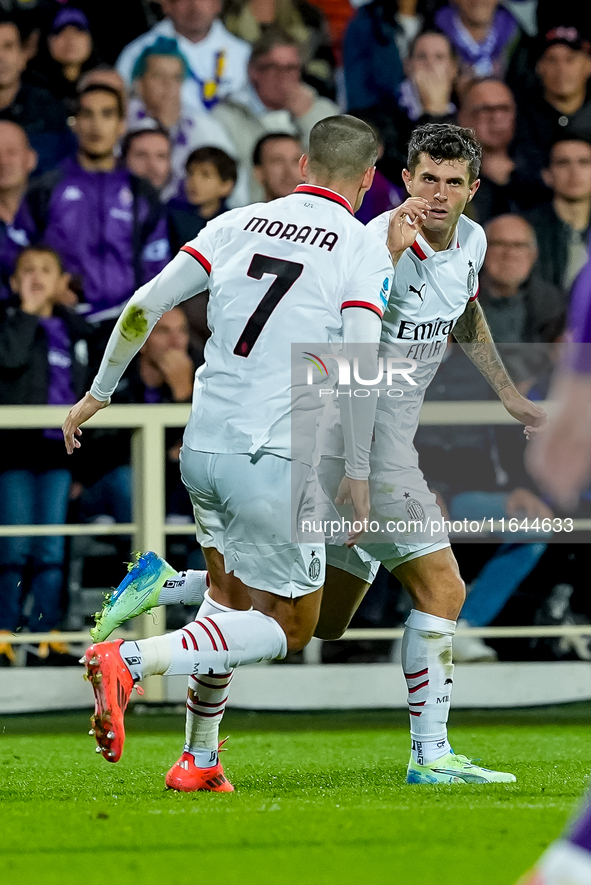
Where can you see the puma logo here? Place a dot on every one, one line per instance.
(418, 292)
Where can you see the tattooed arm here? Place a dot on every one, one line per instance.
(473, 334)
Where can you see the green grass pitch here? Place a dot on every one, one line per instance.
(320, 800)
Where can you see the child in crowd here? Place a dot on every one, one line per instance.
(43, 359)
(210, 179)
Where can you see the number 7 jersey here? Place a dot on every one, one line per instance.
(280, 274)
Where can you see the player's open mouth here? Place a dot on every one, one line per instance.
(438, 213)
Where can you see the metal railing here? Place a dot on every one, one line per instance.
(149, 528)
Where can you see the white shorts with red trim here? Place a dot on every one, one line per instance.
(243, 507)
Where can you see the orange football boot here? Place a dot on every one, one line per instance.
(112, 684)
(185, 777)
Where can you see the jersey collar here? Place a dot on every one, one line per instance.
(423, 250)
(325, 192)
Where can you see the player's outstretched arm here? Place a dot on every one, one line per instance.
(179, 280)
(473, 334)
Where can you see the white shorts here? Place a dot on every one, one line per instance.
(243, 508)
(364, 561)
(406, 510)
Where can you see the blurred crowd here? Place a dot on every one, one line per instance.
(122, 135)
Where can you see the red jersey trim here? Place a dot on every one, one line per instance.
(315, 191)
(474, 297)
(365, 304)
(198, 257)
(418, 251)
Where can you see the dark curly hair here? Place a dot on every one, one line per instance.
(445, 141)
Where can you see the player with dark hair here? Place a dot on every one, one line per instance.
(437, 259)
(437, 253)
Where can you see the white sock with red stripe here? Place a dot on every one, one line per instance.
(206, 704)
(428, 670)
(186, 587)
(208, 645)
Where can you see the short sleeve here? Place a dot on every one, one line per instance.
(371, 282)
(202, 247)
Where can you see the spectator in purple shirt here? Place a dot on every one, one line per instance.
(107, 224)
(43, 359)
(484, 34)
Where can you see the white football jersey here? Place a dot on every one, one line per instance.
(280, 274)
(429, 293)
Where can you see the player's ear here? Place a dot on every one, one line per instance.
(368, 178)
(473, 188)
(304, 167)
(407, 178)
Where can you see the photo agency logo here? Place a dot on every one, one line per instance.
(391, 373)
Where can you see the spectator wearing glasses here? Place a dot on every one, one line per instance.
(216, 59)
(520, 305)
(489, 108)
(275, 100)
(303, 21)
(563, 225)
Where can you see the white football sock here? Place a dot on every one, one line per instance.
(186, 587)
(208, 645)
(428, 670)
(206, 704)
(154, 657)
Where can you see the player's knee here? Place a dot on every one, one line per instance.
(329, 632)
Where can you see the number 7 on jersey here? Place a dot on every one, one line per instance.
(285, 273)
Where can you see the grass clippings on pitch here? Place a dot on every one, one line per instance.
(320, 800)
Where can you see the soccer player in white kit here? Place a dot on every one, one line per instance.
(435, 290)
(278, 274)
